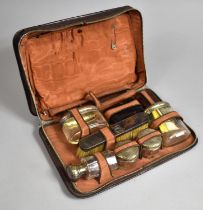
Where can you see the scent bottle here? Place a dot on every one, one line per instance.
(89, 167)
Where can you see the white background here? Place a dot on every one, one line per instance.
(173, 43)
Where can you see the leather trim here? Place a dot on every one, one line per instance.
(147, 96)
(113, 111)
(130, 144)
(148, 136)
(83, 126)
(110, 138)
(117, 99)
(155, 124)
(105, 173)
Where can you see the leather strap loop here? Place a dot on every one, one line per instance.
(112, 111)
(117, 99)
(110, 138)
(130, 144)
(110, 102)
(83, 126)
(92, 96)
(155, 124)
(148, 136)
(147, 96)
(105, 172)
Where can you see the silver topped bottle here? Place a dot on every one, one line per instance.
(89, 167)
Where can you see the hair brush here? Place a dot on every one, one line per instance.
(126, 129)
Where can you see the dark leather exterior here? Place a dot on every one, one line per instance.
(81, 20)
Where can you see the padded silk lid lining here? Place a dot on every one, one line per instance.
(63, 66)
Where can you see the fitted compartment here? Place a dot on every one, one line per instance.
(66, 153)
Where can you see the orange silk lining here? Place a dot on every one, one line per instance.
(64, 66)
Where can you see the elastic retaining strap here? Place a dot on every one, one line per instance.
(110, 102)
(110, 138)
(83, 126)
(112, 111)
(148, 136)
(105, 173)
(130, 144)
(155, 124)
(148, 97)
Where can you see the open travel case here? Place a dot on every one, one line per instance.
(95, 62)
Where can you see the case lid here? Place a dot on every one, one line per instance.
(61, 62)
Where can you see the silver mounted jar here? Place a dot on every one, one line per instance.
(173, 130)
(151, 146)
(89, 167)
(92, 117)
(128, 156)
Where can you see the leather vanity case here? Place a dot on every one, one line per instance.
(91, 58)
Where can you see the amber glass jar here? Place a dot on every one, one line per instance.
(173, 130)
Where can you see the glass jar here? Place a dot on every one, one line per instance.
(92, 117)
(127, 156)
(89, 167)
(152, 145)
(173, 130)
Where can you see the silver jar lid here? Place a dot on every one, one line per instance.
(157, 105)
(127, 156)
(152, 145)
